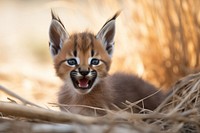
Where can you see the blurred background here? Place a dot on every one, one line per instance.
(156, 40)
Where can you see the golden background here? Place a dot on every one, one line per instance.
(156, 40)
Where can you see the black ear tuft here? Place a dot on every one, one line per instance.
(56, 17)
(113, 18)
(116, 15)
(53, 15)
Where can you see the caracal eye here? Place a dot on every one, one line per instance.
(95, 61)
(72, 62)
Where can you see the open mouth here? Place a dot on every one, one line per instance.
(83, 82)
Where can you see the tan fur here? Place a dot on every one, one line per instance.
(115, 89)
(108, 89)
(100, 97)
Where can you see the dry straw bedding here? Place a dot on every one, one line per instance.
(178, 113)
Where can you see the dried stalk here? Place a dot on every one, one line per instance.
(7, 91)
(43, 114)
(63, 117)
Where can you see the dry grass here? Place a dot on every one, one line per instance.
(178, 113)
(157, 40)
(172, 39)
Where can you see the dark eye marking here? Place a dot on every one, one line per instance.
(92, 53)
(75, 53)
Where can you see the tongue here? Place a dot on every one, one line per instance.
(83, 83)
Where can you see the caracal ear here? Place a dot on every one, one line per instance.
(107, 33)
(57, 35)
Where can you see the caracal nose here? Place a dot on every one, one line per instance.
(84, 73)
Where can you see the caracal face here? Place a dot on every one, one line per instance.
(81, 59)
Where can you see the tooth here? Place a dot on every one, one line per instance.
(81, 86)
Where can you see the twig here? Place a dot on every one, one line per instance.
(29, 127)
(139, 101)
(44, 114)
(84, 106)
(186, 98)
(7, 91)
(63, 117)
